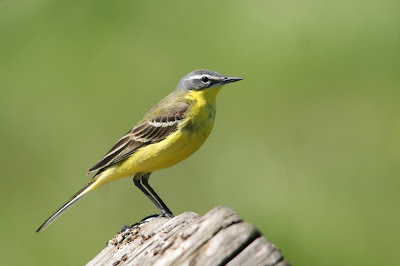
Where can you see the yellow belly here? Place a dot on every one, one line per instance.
(177, 147)
(189, 137)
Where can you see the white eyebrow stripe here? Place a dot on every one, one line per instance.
(199, 76)
(162, 124)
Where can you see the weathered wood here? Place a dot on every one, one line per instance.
(220, 237)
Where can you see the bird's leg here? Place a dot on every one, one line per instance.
(140, 177)
(136, 179)
(165, 211)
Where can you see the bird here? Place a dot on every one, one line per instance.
(170, 132)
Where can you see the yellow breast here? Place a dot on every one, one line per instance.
(191, 134)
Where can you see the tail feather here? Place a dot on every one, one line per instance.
(74, 199)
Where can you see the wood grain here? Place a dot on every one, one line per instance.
(218, 238)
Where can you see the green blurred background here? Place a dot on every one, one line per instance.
(307, 147)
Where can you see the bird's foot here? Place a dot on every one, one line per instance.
(124, 228)
(167, 215)
(146, 219)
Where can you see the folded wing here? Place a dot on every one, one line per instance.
(147, 132)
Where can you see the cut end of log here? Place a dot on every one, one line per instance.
(218, 238)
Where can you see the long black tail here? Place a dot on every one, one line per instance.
(74, 199)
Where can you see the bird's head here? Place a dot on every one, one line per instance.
(204, 80)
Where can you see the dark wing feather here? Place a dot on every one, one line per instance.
(145, 133)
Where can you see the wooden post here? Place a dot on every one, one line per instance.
(218, 238)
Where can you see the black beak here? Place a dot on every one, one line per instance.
(231, 79)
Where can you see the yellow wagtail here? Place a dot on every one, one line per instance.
(169, 133)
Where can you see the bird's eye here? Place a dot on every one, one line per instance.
(204, 79)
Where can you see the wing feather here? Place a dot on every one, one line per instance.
(147, 132)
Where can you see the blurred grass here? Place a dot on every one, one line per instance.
(307, 147)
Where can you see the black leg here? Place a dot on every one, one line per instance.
(145, 181)
(136, 180)
(159, 203)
